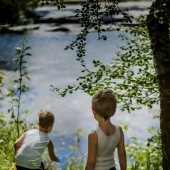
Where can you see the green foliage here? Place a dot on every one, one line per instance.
(21, 87)
(8, 135)
(77, 159)
(11, 129)
(130, 75)
(91, 18)
(2, 74)
(145, 155)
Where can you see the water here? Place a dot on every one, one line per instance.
(52, 65)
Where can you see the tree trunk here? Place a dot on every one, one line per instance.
(158, 27)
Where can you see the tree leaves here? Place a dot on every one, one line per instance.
(91, 18)
(131, 75)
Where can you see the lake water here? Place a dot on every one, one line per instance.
(52, 65)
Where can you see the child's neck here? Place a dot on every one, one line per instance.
(43, 130)
(107, 127)
(103, 123)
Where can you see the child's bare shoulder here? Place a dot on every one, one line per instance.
(118, 126)
(92, 135)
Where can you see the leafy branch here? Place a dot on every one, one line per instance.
(21, 53)
(130, 75)
(91, 17)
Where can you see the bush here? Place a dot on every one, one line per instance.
(145, 155)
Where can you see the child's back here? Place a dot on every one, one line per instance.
(106, 146)
(33, 146)
(30, 146)
(107, 137)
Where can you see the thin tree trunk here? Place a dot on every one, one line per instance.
(158, 27)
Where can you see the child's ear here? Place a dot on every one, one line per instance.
(38, 124)
(93, 111)
(50, 128)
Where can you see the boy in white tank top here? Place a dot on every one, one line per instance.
(103, 141)
(30, 146)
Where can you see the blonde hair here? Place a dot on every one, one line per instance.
(46, 119)
(104, 102)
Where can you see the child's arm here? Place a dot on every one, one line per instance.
(122, 152)
(18, 142)
(51, 152)
(92, 147)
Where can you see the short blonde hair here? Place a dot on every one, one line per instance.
(104, 102)
(46, 119)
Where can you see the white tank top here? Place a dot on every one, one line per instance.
(32, 148)
(105, 149)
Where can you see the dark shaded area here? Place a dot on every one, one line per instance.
(15, 12)
(61, 29)
(8, 13)
(69, 20)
